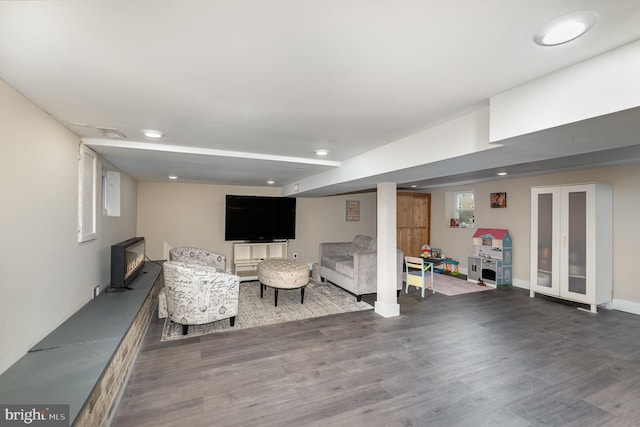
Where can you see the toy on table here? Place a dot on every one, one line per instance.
(447, 264)
(426, 251)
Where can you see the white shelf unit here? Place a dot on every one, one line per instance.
(571, 243)
(247, 256)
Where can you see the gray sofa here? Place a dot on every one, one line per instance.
(354, 265)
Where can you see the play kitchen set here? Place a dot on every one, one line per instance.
(491, 262)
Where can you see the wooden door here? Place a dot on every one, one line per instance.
(413, 222)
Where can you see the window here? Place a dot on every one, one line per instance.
(110, 192)
(460, 209)
(87, 192)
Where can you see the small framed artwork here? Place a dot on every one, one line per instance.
(353, 210)
(498, 200)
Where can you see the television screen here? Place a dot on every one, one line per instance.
(260, 218)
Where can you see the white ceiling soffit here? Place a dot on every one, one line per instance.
(608, 140)
(199, 165)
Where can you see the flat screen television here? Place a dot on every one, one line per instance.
(259, 218)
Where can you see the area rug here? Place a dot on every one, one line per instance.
(320, 299)
(451, 286)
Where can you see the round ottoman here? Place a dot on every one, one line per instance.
(283, 274)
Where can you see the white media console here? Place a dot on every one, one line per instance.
(247, 256)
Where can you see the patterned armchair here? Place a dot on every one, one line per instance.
(190, 255)
(198, 294)
(199, 256)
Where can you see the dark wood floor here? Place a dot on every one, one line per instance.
(495, 358)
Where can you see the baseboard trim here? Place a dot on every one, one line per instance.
(387, 310)
(616, 304)
(523, 284)
(626, 306)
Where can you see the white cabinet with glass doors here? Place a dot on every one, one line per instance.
(571, 243)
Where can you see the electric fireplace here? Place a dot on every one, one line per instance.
(127, 260)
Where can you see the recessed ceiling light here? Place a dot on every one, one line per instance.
(414, 186)
(502, 173)
(565, 28)
(153, 134)
(322, 152)
(271, 181)
(173, 177)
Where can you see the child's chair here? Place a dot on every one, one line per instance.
(416, 270)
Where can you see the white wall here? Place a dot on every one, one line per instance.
(45, 274)
(323, 219)
(175, 214)
(190, 214)
(517, 218)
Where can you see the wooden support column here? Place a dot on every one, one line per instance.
(387, 302)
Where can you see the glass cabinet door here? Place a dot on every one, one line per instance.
(576, 242)
(545, 217)
(545, 240)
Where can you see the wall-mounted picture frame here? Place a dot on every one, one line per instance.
(498, 200)
(353, 210)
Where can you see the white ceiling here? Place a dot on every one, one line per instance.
(246, 90)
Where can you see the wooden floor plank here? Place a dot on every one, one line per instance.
(489, 358)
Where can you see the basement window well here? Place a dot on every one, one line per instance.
(87, 194)
(459, 209)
